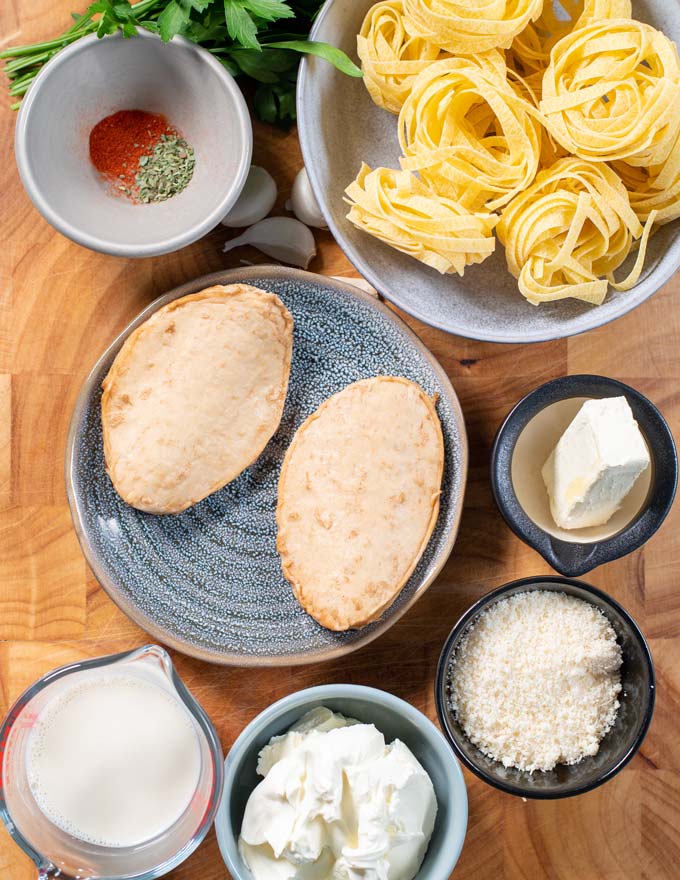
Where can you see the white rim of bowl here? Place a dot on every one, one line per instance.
(299, 699)
(131, 249)
(365, 268)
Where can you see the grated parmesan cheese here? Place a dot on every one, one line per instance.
(534, 682)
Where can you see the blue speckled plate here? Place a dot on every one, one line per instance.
(208, 581)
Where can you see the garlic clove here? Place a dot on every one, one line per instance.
(282, 238)
(256, 200)
(303, 202)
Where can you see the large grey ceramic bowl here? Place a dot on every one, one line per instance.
(208, 581)
(334, 109)
(93, 78)
(394, 718)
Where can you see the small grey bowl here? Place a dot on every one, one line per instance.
(523, 443)
(396, 719)
(619, 745)
(92, 78)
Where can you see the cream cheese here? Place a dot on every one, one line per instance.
(595, 464)
(337, 803)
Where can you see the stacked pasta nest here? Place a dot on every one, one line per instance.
(556, 132)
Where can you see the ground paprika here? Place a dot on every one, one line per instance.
(119, 141)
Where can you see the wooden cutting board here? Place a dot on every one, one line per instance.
(61, 305)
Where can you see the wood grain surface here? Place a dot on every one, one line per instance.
(61, 305)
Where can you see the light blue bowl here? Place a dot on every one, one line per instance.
(396, 719)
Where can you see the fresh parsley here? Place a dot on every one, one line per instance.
(259, 40)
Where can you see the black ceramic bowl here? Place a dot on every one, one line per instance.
(617, 747)
(523, 443)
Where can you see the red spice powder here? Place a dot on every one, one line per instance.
(119, 141)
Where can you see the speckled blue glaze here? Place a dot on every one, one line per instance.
(208, 581)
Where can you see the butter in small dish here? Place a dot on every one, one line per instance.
(595, 464)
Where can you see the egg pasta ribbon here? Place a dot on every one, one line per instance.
(390, 57)
(612, 92)
(655, 189)
(567, 234)
(598, 9)
(530, 50)
(466, 28)
(401, 211)
(469, 132)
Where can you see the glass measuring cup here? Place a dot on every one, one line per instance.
(59, 854)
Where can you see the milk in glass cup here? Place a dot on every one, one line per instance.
(110, 769)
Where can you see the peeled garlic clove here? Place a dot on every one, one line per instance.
(282, 238)
(303, 202)
(256, 200)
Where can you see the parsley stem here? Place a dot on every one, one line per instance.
(24, 77)
(17, 89)
(21, 51)
(83, 24)
(12, 67)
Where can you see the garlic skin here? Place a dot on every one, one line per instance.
(303, 202)
(281, 238)
(256, 200)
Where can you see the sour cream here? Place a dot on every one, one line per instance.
(337, 803)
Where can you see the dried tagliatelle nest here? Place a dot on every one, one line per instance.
(557, 127)
(390, 57)
(567, 234)
(469, 132)
(397, 208)
(467, 28)
(530, 50)
(655, 189)
(612, 91)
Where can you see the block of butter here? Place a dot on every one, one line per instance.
(595, 464)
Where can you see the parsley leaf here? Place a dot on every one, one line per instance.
(174, 19)
(275, 104)
(266, 65)
(333, 55)
(252, 39)
(240, 26)
(270, 10)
